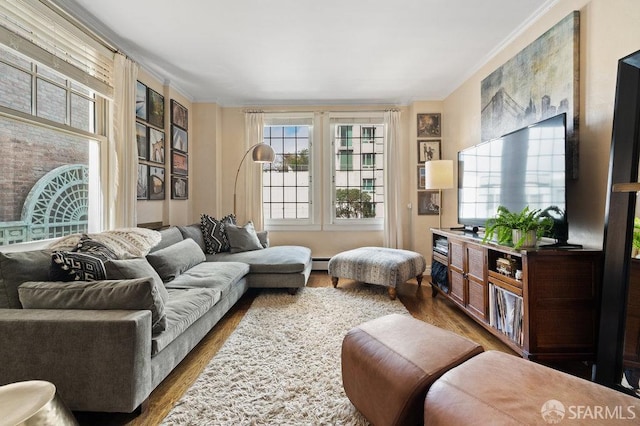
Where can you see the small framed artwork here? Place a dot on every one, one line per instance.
(179, 163)
(428, 150)
(179, 188)
(429, 125)
(156, 146)
(156, 108)
(141, 101)
(156, 183)
(428, 202)
(143, 182)
(179, 139)
(421, 178)
(142, 141)
(179, 115)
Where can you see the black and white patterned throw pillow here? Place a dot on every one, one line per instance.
(215, 237)
(84, 263)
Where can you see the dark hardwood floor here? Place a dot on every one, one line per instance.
(418, 301)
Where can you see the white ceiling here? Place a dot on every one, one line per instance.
(295, 52)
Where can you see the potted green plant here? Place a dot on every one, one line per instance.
(522, 229)
(636, 238)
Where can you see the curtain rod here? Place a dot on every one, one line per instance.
(249, 110)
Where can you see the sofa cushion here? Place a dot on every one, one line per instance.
(214, 234)
(142, 293)
(217, 275)
(19, 267)
(242, 238)
(168, 237)
(84, 263)
(183, 308)
(127, 269)
(272, 260)
(194, 231)
(176, 259)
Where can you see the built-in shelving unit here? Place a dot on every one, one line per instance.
(543, 303)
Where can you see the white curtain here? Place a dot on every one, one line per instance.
(123, 155)
(392, 182)
(251, 208)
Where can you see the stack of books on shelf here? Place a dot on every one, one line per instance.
(505, 312)
(442, 246)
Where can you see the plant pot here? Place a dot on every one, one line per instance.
(530, 238)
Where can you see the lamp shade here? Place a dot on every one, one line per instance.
(263, 153)
(438, 174)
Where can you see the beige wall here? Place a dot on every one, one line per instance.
(609, 31)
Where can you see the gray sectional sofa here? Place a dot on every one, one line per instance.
(107, 344)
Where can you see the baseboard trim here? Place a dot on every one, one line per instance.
(320, 264)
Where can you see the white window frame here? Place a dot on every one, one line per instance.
(332, 223)
(313, 222)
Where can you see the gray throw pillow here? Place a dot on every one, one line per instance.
(243, 238)
(263, 236)
(194, 231)
(176, 259)
(128, 269)
(141, 293)
(18, 267)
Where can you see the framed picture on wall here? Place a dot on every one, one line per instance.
(428, 202)
(179, 115)
(142, 141)
(428, 150)
(179, 188)
(421, 178)
(156, 108)
(179, 139)
(429, 125)
(156, 183)
(141, 101)
(179, 163)
(156, 146)
(142, 190)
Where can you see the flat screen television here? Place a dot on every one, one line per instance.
(527, 167)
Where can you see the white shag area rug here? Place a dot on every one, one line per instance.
(281, 366)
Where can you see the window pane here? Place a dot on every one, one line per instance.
(16, 60)
(15, 88)
(82, 113)
(50, 75)
(51, 101)
(358, 172)
(288, 175)
(44, 182)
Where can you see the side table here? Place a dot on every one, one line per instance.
(34, 402)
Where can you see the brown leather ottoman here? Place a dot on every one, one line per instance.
(501, 389)
(389, 363)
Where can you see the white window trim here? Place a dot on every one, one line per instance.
(331, 222)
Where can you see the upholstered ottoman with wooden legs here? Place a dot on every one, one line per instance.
(377, 265)
(389, 363)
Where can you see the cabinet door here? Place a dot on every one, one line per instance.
(476, 280)
(457, 286)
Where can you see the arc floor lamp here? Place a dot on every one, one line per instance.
(262, 153)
